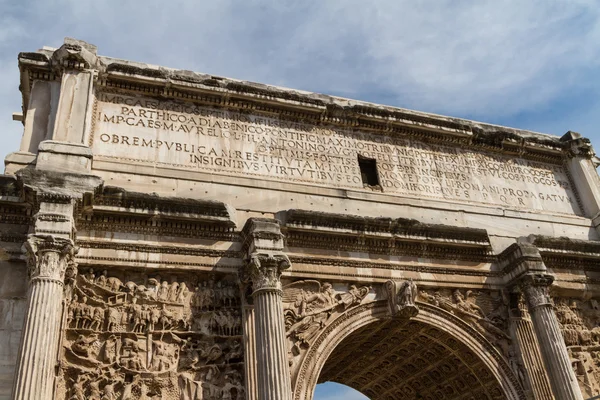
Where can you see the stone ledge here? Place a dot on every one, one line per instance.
(118, 201)
(399, 228)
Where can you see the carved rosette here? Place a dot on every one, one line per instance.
(265, 270)
(536, 288)
(49, 257)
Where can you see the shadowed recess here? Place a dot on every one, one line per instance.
(392, 360)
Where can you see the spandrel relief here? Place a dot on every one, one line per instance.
(146, 337)
(308, 307)
(486, 312)
(579, 322)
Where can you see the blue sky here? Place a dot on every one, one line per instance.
(528, 64)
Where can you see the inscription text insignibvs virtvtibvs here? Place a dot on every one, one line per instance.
(184, 135)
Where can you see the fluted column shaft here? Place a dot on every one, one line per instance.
(266, 259)
(48, 259)
(250, 353)
(271, 350)
(39, 343)
(554, 351)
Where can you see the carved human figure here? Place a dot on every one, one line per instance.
(516, 365)
(408, 294)
(110, 349)
(209, 295)
(354, 295)
(166, 317)
(163, 291)
(198, 299)
(94, 388)
(235, 351)
(90, 275)
(161, 360)
(101, 279)
(86, 313)
(144, 391)
(113, 318)
(78, 389)
(135, 315)
(154, 318)
(97, 319)
(467, 306)
(82, 345)
(182, 293)
(73, 312)
(110, 391)
(128, 392)
(172, 293)
(306, 329)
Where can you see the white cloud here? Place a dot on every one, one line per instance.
(484, 59)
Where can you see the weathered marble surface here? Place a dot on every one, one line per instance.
(13, 279)
(187, 136)
(228, 247)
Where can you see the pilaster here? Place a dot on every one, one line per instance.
(526, 358)
(263, 244)
(580, 159)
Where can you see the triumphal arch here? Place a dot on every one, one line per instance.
(174, 235)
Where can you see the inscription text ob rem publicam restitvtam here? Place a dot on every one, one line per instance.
(189, 136)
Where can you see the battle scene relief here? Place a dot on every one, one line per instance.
(141, 337)
(580, 325)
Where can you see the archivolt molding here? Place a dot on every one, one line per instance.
(321, 349)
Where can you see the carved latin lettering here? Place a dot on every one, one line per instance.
(190, 136)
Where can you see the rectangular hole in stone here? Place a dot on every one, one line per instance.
(368, 171)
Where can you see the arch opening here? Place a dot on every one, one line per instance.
(434, 356)
(390, 359)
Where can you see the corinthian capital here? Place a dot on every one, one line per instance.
(264, 269)
(536, 288)
(49, 256)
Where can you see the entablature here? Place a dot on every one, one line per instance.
(318, 109)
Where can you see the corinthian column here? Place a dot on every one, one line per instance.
(48, 258)
(563, 381)
(266, 260)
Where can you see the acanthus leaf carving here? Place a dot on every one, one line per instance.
(49, 256)
(264, 270)
(536, 288)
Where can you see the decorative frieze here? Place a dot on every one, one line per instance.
(170, 338)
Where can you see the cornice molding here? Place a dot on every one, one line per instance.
(318, 109)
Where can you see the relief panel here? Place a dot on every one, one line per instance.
(580, 325)
(143, 337)
(309, 306)
(486, 312)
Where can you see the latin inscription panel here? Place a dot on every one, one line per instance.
(184, 135)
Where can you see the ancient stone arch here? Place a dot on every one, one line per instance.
(170, 234)
(348, 323)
